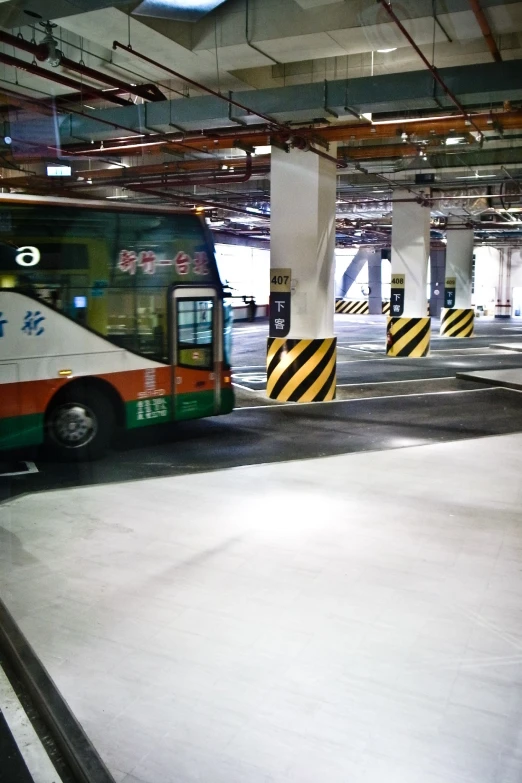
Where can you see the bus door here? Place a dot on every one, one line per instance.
(197, 348)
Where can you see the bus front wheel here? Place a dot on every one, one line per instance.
(80, 424)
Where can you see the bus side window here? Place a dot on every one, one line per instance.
(195, 333)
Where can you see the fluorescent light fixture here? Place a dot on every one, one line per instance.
(263, 150)
(59, 171)
(477, 176)
(454, 140)
(387, 51)
(177, 10)
(123, 147)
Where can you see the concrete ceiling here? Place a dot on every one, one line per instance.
(299, 61)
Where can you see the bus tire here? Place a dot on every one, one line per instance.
(80, 424)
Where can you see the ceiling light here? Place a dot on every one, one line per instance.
(122, 147)
(476, 175)
(178, 10)
(454, 140)
(387, 51)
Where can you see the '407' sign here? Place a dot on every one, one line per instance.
(279, 314)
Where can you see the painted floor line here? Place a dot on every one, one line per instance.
(245, 388)
(411, 380)
(375, 399)
(31, 468)
(33, 752)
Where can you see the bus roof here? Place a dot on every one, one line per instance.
(58, 201)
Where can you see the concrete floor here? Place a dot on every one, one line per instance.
(350, 619)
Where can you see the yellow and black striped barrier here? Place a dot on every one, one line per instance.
(301, 370)
(386, 306)
(408, 337)
(457, 322)
(352, 306)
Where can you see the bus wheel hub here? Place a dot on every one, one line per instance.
(74, 425)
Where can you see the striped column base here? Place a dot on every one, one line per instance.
(352, 306)
(301, 370)
(408, 337)
(457, 322)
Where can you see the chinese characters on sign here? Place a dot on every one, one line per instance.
(151, 409)
(279, 315)
(32, 323)
(3, 321)
(450, 286)
(129, 261)
(398, 284)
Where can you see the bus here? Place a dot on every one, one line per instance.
(111, 316)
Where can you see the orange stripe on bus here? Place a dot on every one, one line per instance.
(27, 397)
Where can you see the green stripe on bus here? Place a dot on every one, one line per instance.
(194, 405)
(227, 400)
(19, 431)
(153, 410)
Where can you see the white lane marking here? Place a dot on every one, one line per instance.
(412, 380)
(31, 468)
(374, 399)
(33, 752)
(246, 388)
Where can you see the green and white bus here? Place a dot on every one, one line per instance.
(111, 315)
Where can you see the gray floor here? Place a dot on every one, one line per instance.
(355, 618)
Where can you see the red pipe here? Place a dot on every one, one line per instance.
(486, 30)
(41, 52)
(284, 129)
(35, 70)
(167, 180)
(187, 197)
(434, 71)
(88, 153)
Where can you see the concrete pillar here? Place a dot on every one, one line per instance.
(457, 319)
(375, 282)
(352, 271)
(437, 276)
(459, 263)
(408, 332)
(301, 364)
(503, 306)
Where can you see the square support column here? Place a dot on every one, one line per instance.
(408, 328)
(458, 320)
(301, 365)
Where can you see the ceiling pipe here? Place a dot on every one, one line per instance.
(161, 137)
(249, 39)
(295, 139)
(208, 141)
(41, 51)
(179, 167)
(438, 78)
(486, 29)
(128, 178)
(52, 76)
(184, 198)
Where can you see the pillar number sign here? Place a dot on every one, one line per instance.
(398, 283)
(449, 291)
(279, 317)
